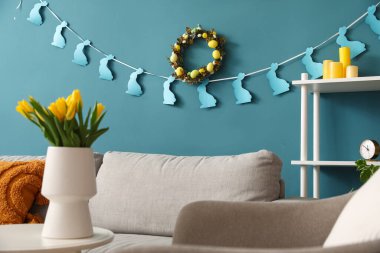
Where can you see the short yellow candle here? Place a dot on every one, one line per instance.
(336, 70)
(326, 69)
(352, 71)
(345, 58)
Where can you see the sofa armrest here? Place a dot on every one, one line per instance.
(258, 224)
(368, 247)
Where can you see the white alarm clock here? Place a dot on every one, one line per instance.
(369, 149)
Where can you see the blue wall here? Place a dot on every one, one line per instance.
(140, 31)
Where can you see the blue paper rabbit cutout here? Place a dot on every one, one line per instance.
(59, 40)
(356, 47)
(242, 95)
(34, 15)
(315, 69)
(278, 85)
(104, 72)
(134, 87)
(169, 97)
(206, 99)
(372, 20)
(79, 57)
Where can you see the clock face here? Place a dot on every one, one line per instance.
(369, 149)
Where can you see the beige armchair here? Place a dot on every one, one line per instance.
(247, 227)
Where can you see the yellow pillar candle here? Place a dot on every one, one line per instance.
(352, 71)
(326, 69)
(345, 58)
(336, 70)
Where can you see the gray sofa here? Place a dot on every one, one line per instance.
(345, 224)
(277, 227)
(140, 195)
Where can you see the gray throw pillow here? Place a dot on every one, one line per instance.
(98, 157)
(143, 193)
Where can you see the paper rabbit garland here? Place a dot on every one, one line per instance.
(169, 97)
(59, 40)
(134, 87)
(242, 95)
(34, 15)
(372, 20)
(206, 99)
(104, 72)
(278, 85)
(356, 47)
(79, 57)
(315, 69)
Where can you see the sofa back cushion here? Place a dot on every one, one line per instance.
(359, 220)
(20, 158)
(143, 193)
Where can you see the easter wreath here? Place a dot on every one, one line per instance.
(187, 39)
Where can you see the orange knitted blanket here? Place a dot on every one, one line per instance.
(20, 187)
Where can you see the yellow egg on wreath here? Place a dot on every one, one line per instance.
(213, 43)
(216, 54)
(179, 71)
(173, 58)
(199, 74)
(176, 47)
(194, 73)
(210, 67)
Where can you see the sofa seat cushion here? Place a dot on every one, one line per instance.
(124, 241)
(144, 193)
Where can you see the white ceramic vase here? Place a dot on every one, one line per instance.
(68, 183)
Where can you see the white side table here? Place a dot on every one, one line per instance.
(27, 238)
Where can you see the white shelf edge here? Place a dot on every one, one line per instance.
(357, 84)
(336, 80)
(330, 163)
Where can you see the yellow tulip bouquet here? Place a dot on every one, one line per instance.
(62, 121)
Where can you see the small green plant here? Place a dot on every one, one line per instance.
(366, 171)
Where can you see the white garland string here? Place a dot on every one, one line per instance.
(213, 80)
(19, 5)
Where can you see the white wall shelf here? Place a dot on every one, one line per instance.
(330, 163)
(357, 84)
(318, 86)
